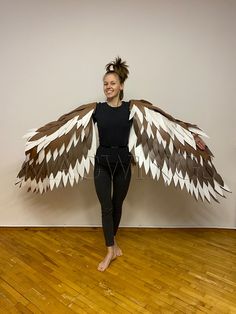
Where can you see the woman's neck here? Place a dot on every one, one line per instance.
(114, 102)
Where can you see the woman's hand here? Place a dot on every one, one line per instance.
(200, 143)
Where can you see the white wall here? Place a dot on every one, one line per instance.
(182, 58)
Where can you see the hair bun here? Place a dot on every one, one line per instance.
(119, 67)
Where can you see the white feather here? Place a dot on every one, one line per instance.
(165, 171)
(132, 138)
(41, 156)
(153, 169)
(64, 178)
(86, 118)
(176, 178)
(211, 190)
(45, 183)
(33, 185)
(226, 188)
(171, 147)
(51, 181)
(82, 135)
(80, 169)
(200, 189)
(187, 182)
(206, 192)
(29, 134)
(70, 124)
(201, 160)
(31, 144)
(159, 137)
(40, 185)
(181, 180)
(139, 114)
(195, 190)
(140, 155)
(62, 149)
(146, 164)
(48, 156)
(55, 154)
(132, 112)
(197, 131)
(58, 178)
(73, 137)
(149, 131)
(218, 188)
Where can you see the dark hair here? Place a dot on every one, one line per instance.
(120, 68)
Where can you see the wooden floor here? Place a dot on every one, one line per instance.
(54, 270)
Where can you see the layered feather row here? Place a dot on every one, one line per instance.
(165, 147)
(61, 152)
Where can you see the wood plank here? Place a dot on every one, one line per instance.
(161, 271)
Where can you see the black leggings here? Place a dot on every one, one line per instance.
(111, 205)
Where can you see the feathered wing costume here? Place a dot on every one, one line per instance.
(62, 151)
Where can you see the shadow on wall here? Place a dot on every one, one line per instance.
(61, 203)
(166, 205)
(148, 203)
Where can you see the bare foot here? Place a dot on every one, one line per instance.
(117, 249)
(106, 262)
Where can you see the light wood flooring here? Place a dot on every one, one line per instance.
(54, 270)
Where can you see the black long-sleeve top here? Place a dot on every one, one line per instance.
(113, 129)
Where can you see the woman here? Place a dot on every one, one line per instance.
(62, 152)
(112, 161)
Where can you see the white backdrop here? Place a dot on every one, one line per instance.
(182, 58)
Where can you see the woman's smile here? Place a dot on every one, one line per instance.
(112, 86)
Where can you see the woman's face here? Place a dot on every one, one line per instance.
(111, 85)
